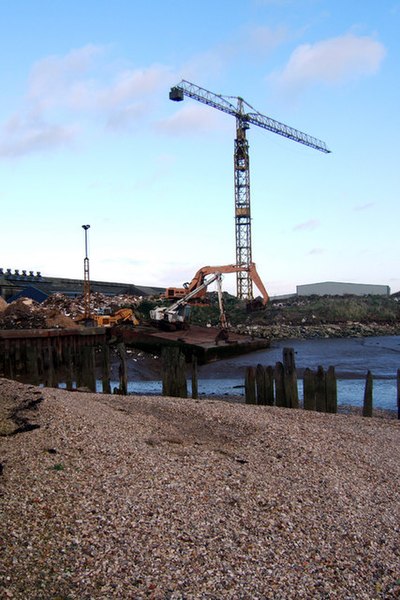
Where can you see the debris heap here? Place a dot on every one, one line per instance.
(58, 311)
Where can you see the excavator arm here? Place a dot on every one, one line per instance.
(256, 279)
(197, 281)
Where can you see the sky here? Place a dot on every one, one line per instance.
(88, 135)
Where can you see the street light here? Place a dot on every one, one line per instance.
(86, 279)
(86, 227)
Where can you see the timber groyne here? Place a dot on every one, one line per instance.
(48, 356)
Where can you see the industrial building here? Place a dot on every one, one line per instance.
(14, 284)
(336, 288)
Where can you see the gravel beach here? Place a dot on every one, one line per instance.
(149, 497)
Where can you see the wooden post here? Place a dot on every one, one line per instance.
(398, 393)
(57, 359)
(367, 407)
(174, 373)
(2, 373)
(32, 363)
(290, 378)
(195, 389)
(88, 368)
(320, 390)
(250, 386)
(9, 371)
(280, 398)
(309, 390)
(79, 365)
(260, 385)
(50, 376)
(40, 358)
(69, 365)
(105, 379)
(17, 358)
(269, 385)
(122, 370)
(331, 390)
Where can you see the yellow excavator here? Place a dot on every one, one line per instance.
(107, 318)
(123, 315)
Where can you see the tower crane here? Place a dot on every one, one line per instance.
(245, 116)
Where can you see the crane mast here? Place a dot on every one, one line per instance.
(244, 285)
(244, 118)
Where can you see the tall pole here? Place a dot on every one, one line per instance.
(86, 278)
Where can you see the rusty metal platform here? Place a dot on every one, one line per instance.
(197, 341)
(23, 334)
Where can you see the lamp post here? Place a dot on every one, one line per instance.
(86, 279)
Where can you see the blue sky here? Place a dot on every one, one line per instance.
(88, 135)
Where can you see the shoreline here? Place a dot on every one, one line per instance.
(157, 497)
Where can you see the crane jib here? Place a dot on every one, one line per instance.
(185, 88)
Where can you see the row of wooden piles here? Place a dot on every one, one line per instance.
(278, 386)
(73, 360)
(52, 360)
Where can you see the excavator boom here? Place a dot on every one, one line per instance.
(197, 281)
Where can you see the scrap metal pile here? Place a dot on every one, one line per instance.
(57, 311)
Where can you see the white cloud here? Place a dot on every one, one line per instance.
(78, 85)
(132, 84)
(366, 206)
(25, 136)
(52, 78)
(191, 118)
(263, 40)
(332, 62)
(122, 119)
(307, 225)
(249, 43)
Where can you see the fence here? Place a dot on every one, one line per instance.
(277, 386)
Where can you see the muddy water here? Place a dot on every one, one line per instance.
(352, 358)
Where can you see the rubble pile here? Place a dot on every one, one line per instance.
(75, 307)
(23, 313)
(58, 311)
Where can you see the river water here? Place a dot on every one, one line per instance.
(351, 357)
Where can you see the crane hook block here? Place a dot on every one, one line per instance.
(176, 94)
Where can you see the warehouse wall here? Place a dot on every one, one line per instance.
(334, 288)
(12, 283)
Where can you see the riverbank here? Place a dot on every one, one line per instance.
(347, 329)
(352, 358)
(150, 497)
